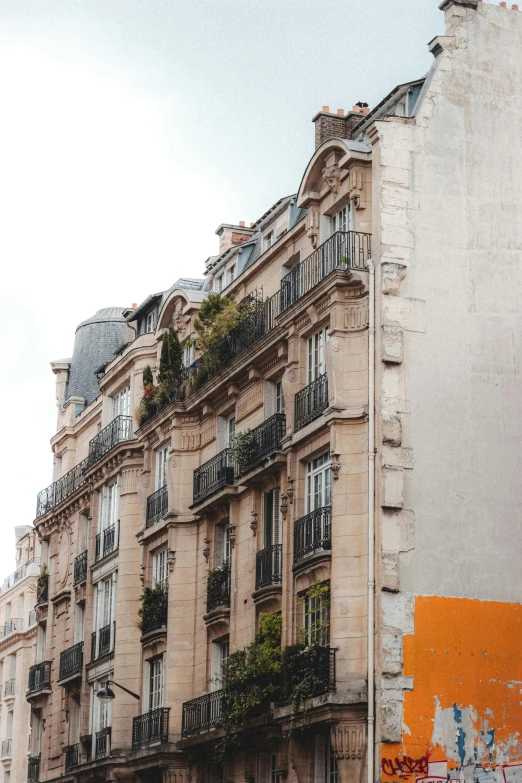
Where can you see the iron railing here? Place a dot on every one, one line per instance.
(6, 748)
(72, 757)
(343, 250)
(71, 661)
(80, 568)
(157, 506)
(86, 741)
(105, 542)
(33, 769)
(18, 575)
(311, 401)
(32, 618)
(101, 745)
(42, 590)
(9, 687)
(150, 728)
(312, 533)
(213, 475)
(101, 642)
(60, 490)
(39, 676)
(260, 443)
(118, 431)
(13, 625)
(268, 566)
(218, 588)
(201, 714)
(316, 662)
(155, 611)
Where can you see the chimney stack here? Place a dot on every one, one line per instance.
(329, 125)
(232, 235)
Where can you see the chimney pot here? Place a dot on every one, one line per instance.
(340, 112)
(251, 225)
(134, 305)
(326, 109)
(241, 222)
(502, 5)
(514, 7)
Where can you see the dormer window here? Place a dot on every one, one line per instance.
(218, 284)
(231, 274)
(150, 323)
(269, 240)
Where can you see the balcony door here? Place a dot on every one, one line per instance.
(325, 763)
(161, 467)
(343, 219)
(121, 403)
(318, 483)
(160, 571)
(272, 529)
(156, 682)
(218, 664)
(316, 359)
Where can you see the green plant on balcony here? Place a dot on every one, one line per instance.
(152, 610)
(243, 447)
(170, 378)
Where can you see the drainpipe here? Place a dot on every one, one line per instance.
(371, 521)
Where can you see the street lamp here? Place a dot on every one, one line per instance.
(106, 693)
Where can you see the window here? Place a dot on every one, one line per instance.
(269, 240)
(222, 546)
(220, 652)
(156, 683)
(231, 429)
(280, 398)
(318, 483)
(121, 403)
(79, 617)
(149, 323)
(272, 532)
(109, 507)
(100, 717)
(8, 611)
(267, 767)
(341, 221)
(107, 594)
(218, 284)
(231, 274)
(160, 571)
(161, 467)
(226, 431)
(316, 611)
(188, 355)
(316, 364)
(325, 763)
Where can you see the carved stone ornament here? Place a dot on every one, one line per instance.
(232, 536)
(335, 466)
(348, 741)
(206, 549)
(290, 488)
(253, 522)
(180, 324)
(332, 177)
(171, 559)
(284, 506)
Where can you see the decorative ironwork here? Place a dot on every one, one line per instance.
(13, 625)
(33, 769)
(101, 642)
(86, 741)
(60, 490)
(101, 746)
(42, 590)
(39, 676)
(260, 443)
(343, 250)
(218, 588)
(18, 575)
(325, 670)
(118, 431)
(80, 568)
(157, 506)
(268, 566)
(312, 533)
(9, 687)
(150, 728)
(214, 475)
(155, 611)
(72, 757)
(6, 748)
(105, 542)
(202, 714)
(71, 661)
(311, 401)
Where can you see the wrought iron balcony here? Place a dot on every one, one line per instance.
(39, 676)
(343, 250)
(214, 475)
(60, 490)
(312, 533)
(42, 590)
(9, 688)
(311, 401)
(155, 610)
(201, 714)
(101, 642)
(157, 506)
(13, 625)
(118, 431)
(150, 728)
(71, 661)
(80, 568)
(106, 542)
(268, 566)
(102, 744)
(72, 757)
(260, 443)
(7, 748)
(315, 662)
(218, 588)
(20, 573)
(33, 769)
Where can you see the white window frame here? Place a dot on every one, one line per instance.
(161, 466)
(121, 403)
(156, 682)
(187, 355)
(231, 274)
(342, 220)
(218, 283)
(149, 324)
(272, 527)
(319, 482)
(220, 651)
(269, 239)
(160, 567)
(316, 354)
(279, 397)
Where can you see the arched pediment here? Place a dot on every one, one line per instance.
(175, 308)
(326, 169)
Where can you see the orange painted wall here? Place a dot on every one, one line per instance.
(466, 653)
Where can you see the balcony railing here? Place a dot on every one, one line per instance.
(343, 250)
(214, 475)
(118, 431)
(60, 490)
(218, 588)
(260, 443)
(71, 661)
(20, 573)
(312, 533)
(101, 642)
(42, 590)
(80, 568)
(13, 625)
(315, 662)
(151, 728)
(72, 757)
(9, 688)
(106, 542)
(39, 676)
(201, 714)
(268, 566)
(7, 748)
(101, 743)
(33, 769)
(157, 506)
(155, 610)
(311, 401)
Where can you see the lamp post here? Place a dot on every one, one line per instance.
(106, 693)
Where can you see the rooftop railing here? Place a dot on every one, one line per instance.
(311, 401)
(150, 728)
(201, 714)
(118, 431)
(157, 506)
(20, 573)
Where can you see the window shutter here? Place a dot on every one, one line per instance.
(215, 666)
(221, 433)
(276, 511)
(270, 393)
(219, 544)
(319, 759)
(325, 227)
(263, 767)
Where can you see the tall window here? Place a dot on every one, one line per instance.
(218, 284)
(316, 364)
(231, 275)
(280, 398)
(267, 767)
(341, 221)
(226, 431)
(220, 652)
(222, 546)
(156, 683)
(318, 483)
(269, 240)
(161, 467)
(107, 596)
(150, 322)
(325, 763)
(121, 403)
(316, 617)
(109, 506)
(188, 355)
(272, 532)
(160, 569)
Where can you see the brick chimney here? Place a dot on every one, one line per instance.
(230, 235)
(339, 125)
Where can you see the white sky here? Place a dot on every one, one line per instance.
(129, 130)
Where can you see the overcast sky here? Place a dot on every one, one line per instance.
(130, 129)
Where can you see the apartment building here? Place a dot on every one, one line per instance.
(300, 561)
(18, 633)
